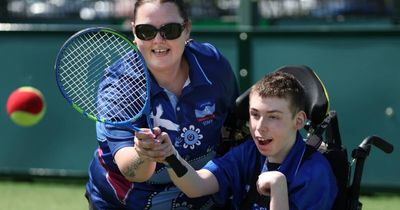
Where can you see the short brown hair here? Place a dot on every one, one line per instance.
(281, 85)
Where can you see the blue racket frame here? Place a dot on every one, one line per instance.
(128, 123)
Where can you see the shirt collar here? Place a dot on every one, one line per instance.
(197, 76)
(292, 161)
(154, 87)
(196, 72)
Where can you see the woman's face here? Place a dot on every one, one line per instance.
(161, 53)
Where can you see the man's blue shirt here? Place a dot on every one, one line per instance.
(306, 180)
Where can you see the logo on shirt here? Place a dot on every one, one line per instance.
(191, 137)
(160, 122)
(205, 112)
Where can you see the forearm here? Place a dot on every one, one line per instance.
(279, 196)
(279, 199)
(133, 167)
(195, 183)
(273, 184)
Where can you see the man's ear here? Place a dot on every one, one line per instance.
(301, 118)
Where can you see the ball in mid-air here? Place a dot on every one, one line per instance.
(26, 106)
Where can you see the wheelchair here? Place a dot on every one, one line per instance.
(321, 133)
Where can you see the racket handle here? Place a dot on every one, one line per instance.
(176, 165)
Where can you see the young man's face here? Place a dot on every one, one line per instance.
(273, 126)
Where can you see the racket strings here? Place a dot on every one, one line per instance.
(77, 60)
(81, 76)
(83, 49)
(131, 97)
(129, 105)
(91, 47)
(85, 66)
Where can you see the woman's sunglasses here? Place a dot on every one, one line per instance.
(168, 31)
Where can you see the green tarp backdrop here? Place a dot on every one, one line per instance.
(360, 69)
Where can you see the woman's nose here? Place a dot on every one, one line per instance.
(159, 38)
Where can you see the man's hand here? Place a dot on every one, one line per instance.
(273, 184)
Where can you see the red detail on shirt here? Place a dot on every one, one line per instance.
(117, 181)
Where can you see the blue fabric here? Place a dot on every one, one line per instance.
(305, 180)
(194, 126)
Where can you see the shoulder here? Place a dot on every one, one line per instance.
(208, 60)
(317, 166)
(211, 60)
(245, 149)
(239, 155)
(204, 49)
(239, 160)
(314, 176)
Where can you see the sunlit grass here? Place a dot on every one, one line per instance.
(42, 195)
(39, 195)
(381, 201)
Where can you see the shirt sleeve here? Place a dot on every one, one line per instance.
(116, 137)
(224, 189)
(232, 172)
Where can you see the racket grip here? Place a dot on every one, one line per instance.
(176, 165)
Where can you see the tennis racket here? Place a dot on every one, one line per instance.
(103, 76)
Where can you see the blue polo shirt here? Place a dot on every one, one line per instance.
(305, 180)
(193, 121)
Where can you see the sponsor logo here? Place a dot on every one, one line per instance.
(205, 112)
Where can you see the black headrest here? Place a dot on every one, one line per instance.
(317, 100)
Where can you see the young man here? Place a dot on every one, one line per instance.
(276, 105)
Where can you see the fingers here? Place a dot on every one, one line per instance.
(154, 152)
(270, 180)
(145, 133)
(260, 187)
(263, 189)
(154, 145)
(264, 183)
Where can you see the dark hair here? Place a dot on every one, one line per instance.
(179, 3)
(281, 85)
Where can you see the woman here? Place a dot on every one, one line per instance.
(192, 90)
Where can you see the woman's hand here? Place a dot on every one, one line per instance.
(153, 145)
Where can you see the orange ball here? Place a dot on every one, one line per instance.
(26, 106)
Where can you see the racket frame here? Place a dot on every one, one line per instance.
(128, 123)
